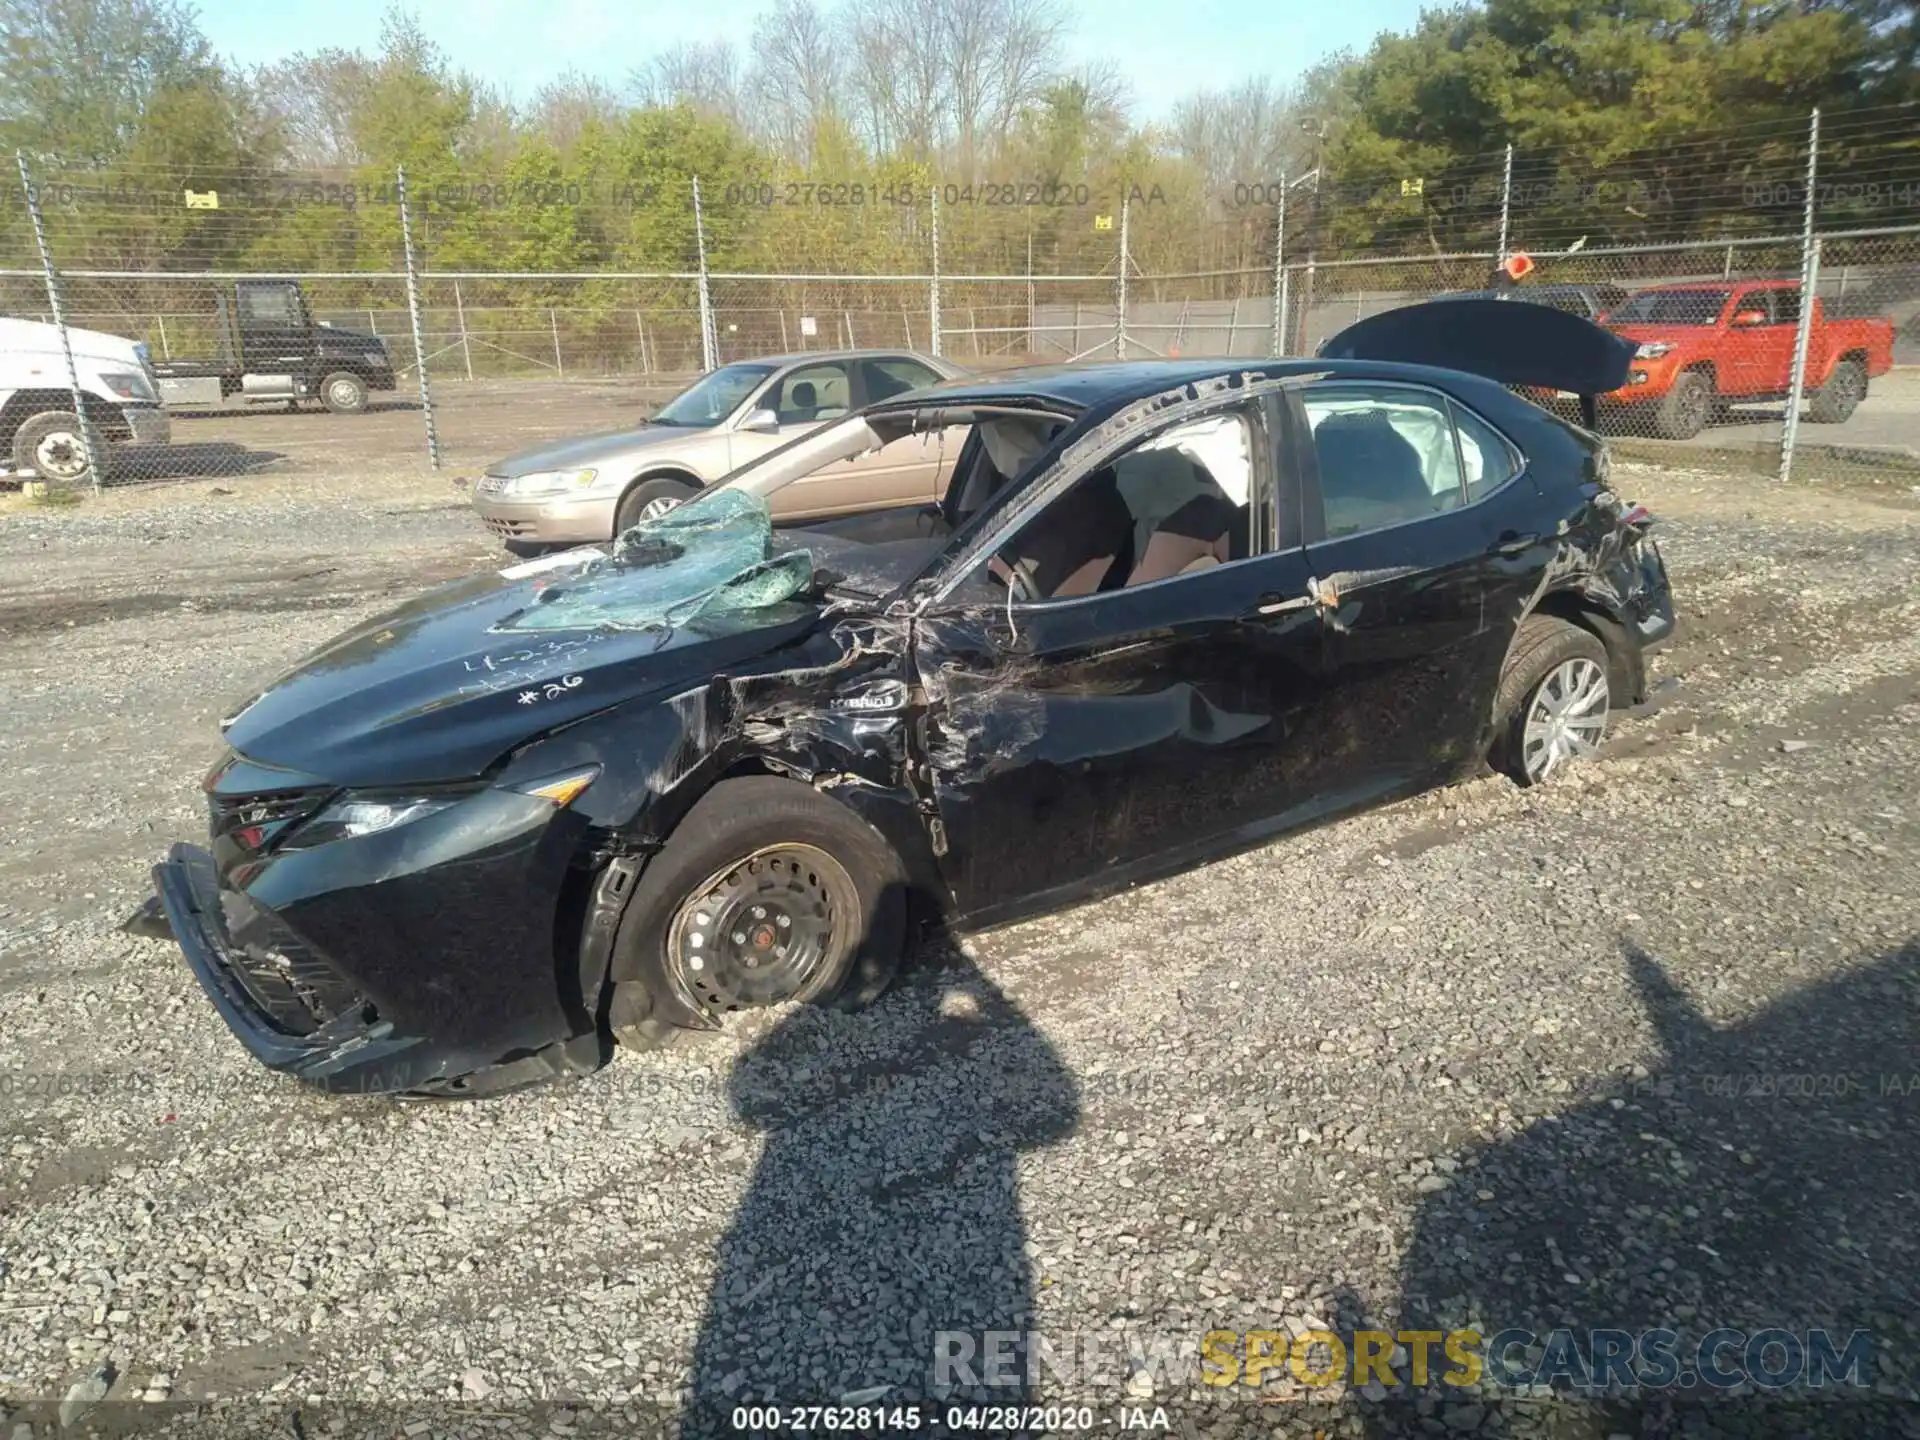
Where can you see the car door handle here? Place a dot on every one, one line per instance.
(1280, 605)
(1512, 542)
(1321, 595)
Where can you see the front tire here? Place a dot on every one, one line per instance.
(650, 499)
(51, 445)
(767, 892)
(1552, 704)
(1687, 407)
(344, 393)
(1834, 402)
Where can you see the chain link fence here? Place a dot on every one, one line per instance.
(223, 324)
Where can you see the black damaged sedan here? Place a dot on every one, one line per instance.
(1163, 611)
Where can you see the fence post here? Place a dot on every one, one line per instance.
(933, 289)
(1809, 278)
(89, 442)
(1286, 282)
(460, 309)
(640, 326)
(1306, 302)
(166, 350)
(709, 339)
(1120, 289)
(553, 323)
(1506, 206)
(413, 315)
(1280, 271)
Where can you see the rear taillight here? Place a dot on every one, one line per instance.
(1639, 518)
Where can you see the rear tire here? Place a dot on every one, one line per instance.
(344, 393)
(1687, 407)
(767, 892)
(52, 446)
(651, 498)
(1552, 704)
(1834, 402)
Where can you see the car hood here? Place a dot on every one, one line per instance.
(1672, 334)
(435, 691)
(592, 449)
(35, 337)
(335, 337)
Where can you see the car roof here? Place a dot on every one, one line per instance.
(1674, 285)
(1115, 383)
(794, 357)
(1557, 287)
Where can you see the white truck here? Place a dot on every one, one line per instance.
(39, 431)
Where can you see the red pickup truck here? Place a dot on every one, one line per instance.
(1706, 345)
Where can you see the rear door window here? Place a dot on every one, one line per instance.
(1485, 456)
(813, 393)
(1386, 455)
(894, 375)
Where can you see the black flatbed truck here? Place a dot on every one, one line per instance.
(272, 350)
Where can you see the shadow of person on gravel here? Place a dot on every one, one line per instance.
(882, 1226)
(1766, 1175)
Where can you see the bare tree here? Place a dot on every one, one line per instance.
(707, 77)
(933, 77)
(316, 97)
(1246, 134)
(798, 73)
(897, 72)
(563, 108)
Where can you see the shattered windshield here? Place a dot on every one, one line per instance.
(713, 397)
(714, 555)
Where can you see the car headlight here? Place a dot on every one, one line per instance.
(550, 482)
(127, 385)
(1653, 350)
(352, 816)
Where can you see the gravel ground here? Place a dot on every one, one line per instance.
(1636, 1049)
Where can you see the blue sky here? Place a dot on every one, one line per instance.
(1165, 50)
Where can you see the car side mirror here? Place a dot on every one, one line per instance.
(762, 422)
(1746, 319)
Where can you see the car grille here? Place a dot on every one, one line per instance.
(510, 529)
(297, 989)
(250, 823)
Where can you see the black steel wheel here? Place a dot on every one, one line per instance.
(760, 931)
(768, 892)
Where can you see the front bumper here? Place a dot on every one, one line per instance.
(551, 520)
(355, 1051)
(147, 425)
(424, 957)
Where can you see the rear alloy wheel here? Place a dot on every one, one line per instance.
(1687, 407)
(344, 393)
(1553, 701)
(1834, 402)
(1567, 718)
(50, 444)
(768, 892)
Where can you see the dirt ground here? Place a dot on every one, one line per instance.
(1627, 1050)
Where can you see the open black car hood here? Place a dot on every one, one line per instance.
(1532, 345)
